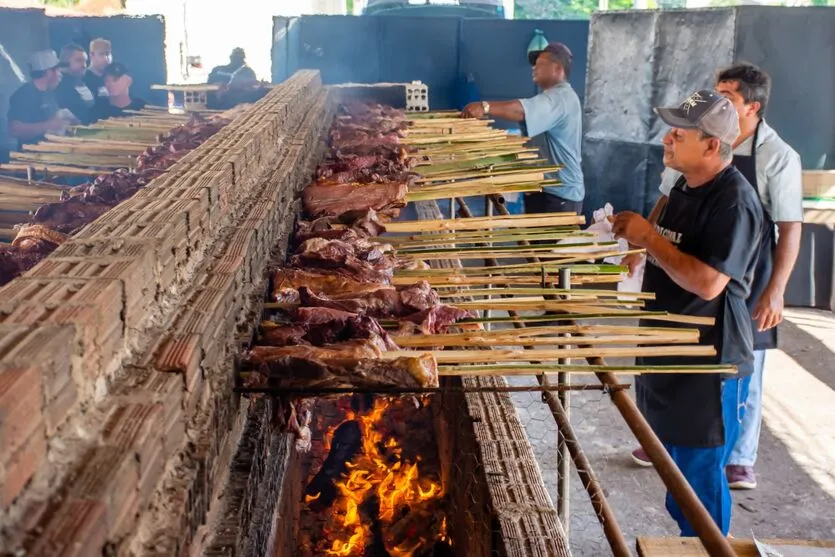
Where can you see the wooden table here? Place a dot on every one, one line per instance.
(692, 547)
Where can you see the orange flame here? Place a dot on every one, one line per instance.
(397, 483)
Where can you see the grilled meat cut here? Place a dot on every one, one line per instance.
(359, 259)
(287, 281)
(322, 326)
(336, 200)
(364, 226)
(384, 301)
(355, 363)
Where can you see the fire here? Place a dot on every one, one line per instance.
(409, 517)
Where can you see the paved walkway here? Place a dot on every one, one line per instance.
(796, 468)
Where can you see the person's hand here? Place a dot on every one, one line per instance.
(769, 309)
(632, 261)
(57, 123)
(473, 110)
(633, 228)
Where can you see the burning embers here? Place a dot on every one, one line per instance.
(378, 492)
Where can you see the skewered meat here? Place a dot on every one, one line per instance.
(364, 228)
(361, 259)
(89, 201)
(336, 200)
(69, 216)
(14, 262)
(324, 326)
(433, 320)
(349, 364)
(385, 301)
(286, 283)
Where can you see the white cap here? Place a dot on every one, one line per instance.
(44, 60)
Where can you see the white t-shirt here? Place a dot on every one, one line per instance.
(779, 175)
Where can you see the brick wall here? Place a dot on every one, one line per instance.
(117, 418)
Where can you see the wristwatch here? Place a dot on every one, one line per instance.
(486, 107)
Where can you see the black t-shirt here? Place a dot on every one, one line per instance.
(96, 84)
(74, 95)
(719, 223)
(30, 105)
(103, 109)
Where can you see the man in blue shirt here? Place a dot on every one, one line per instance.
(554, 118)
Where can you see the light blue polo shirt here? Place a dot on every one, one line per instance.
(554, 119)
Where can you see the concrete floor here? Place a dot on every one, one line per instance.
(795, 471)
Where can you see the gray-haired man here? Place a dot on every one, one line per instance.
(701, 255)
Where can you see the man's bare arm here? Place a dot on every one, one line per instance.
(503, 110)
(785, 254)
(507, 110)
(22, 130)
(687, 271)
(769, 309)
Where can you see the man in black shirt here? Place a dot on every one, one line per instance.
(117, 80)
(33, 111)
(72, 93)
(101, 56)
(701, 255)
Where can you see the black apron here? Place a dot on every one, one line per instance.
(747, 165)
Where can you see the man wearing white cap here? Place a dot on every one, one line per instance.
(701, 256)
(33, 111)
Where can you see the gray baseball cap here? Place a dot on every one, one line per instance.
(707, 111)
(45, 60)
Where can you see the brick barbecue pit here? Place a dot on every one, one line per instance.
(120, 429)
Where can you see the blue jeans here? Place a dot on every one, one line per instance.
(744, 452)
(704, 468)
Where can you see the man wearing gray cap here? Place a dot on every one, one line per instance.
(33, 111)
(701, 255)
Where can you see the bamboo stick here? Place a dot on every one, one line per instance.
(476, 341)
(494, 174)
(520, 269)
(611, 314)
(52, 169)
(487, 251)
(544, 219)
(545, 305)
(573, 329)
(539, 369)
(476, 292)
(515, 268)
(484, 189)
(543, 355)
(467, 186)
(453, 241)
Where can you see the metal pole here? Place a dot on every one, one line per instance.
(605, 514)
(563, 463)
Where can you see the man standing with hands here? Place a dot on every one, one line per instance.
(554, 118)
(33, 111)
(774, 169)
(701, 255)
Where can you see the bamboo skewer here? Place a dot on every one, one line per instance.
(475, 341)
(481, 189)
(575, 294)
(543, 355)
(515, 221)
(506, 280)
(547, 369)
(574, 329)
(482, 236)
